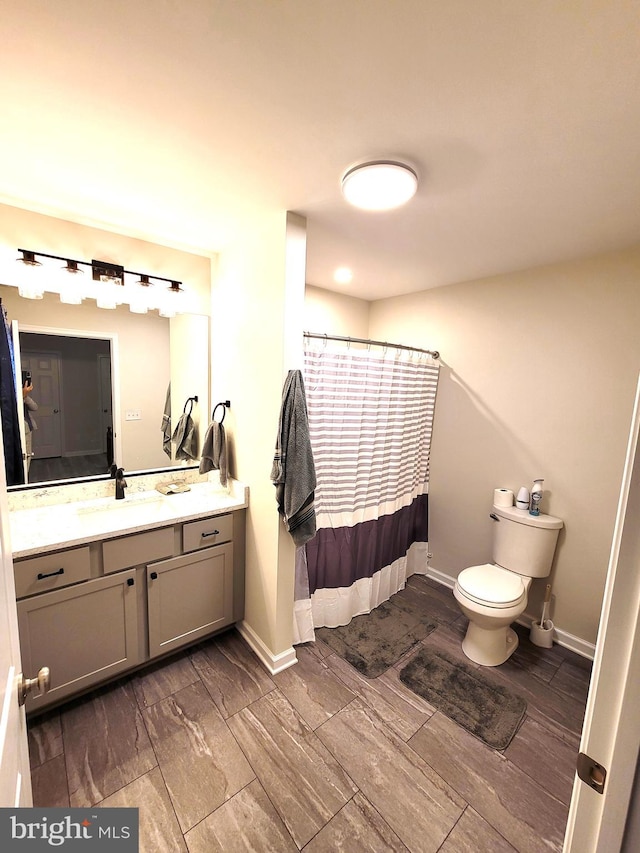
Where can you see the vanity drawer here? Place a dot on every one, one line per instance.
(208, 532)
(137, 549)
(42, 574)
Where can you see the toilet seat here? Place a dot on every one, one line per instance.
(491, 586)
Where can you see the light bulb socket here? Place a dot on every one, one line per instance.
(29, 258)
(72, 268)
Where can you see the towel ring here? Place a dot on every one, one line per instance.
(224, 412)
(189, 400)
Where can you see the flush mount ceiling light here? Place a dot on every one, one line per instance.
(379, 185)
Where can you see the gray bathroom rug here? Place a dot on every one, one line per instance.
(373, 642)
(465, 695)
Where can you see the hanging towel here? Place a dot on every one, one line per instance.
(214, 452)
(293, 472)
(166, 424)
(184, 435)
(9, 406)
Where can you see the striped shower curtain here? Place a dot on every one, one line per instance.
(370, 421)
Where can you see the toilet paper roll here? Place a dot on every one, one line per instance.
(502, 497)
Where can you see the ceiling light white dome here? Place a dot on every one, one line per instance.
(379, 185)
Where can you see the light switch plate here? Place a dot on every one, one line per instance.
(132, 415)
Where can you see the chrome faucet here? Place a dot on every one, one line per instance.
(121, 484)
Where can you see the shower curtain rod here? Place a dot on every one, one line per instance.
(431, 352)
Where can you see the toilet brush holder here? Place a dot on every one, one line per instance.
(542, 634)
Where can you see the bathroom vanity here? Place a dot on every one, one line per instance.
(104, 586)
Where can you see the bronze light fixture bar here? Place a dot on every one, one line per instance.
(101, 270)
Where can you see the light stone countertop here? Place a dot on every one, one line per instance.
(37, 530)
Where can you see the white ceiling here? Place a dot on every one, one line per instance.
(174, 120)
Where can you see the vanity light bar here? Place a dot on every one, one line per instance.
(101, 270)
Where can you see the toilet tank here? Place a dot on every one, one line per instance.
(524, 543)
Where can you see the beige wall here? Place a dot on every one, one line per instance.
(335, 314)
(256, 338)
(539, 370)
(27, 230)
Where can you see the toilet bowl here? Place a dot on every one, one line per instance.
(491, 598)
(494, 595)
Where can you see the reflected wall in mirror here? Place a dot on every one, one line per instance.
(130, 360)
(71, 430)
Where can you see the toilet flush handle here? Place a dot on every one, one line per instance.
(494, 516)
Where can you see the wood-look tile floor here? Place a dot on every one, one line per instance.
(220, 756)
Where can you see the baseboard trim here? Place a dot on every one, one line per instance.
(562, 638)
(440, 577)
(274, 663)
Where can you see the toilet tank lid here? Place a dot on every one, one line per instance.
(522, 517)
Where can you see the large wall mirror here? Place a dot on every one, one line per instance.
(100, 380)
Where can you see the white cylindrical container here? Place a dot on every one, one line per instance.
(522, 500)
(542, 634)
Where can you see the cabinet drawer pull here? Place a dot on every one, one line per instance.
(130, 581)
(213, 533)
(42, 576)
(153, 576)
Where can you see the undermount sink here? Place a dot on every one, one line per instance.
(128, 503)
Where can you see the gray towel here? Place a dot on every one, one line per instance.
(214, 452)
(166, 424)
(185, 438)
(293, 472)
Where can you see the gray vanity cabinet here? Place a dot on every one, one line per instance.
(85, 633)
(189, 597)
(97, 611)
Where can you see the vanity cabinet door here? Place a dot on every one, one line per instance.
(85, 634)
(189, 597)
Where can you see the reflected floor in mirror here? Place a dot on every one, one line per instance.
(219, 755)
(67, 467)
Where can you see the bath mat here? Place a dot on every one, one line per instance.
(375, 641)
(465, 695)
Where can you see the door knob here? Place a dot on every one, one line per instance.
(55, 411)
(26, 685)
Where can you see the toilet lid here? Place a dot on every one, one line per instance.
(491, 585)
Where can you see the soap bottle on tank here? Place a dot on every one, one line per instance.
(536, 497)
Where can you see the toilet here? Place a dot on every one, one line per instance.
(494, 595)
